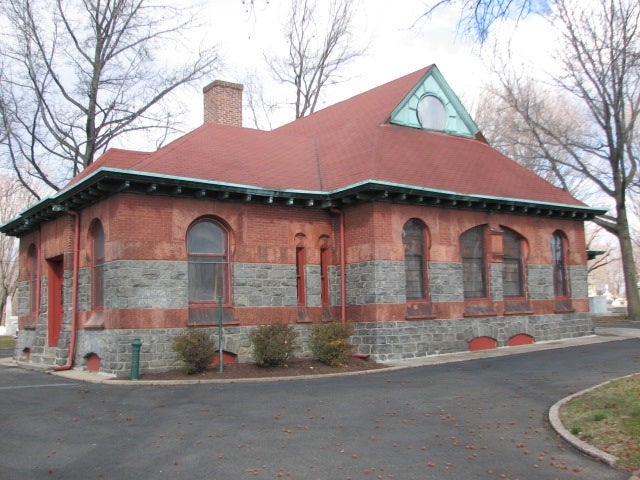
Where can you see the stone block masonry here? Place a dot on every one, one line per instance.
(264, 285)
(114, 347)
(375, 282)
(403, 340)
(383, 341)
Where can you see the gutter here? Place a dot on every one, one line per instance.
(74, 293)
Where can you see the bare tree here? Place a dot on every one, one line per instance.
(316, 57)
(13, 198)
(506, 130)
(255, 101)
(477, 16)
(80, 74)
(600, 79)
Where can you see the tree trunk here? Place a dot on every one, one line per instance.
(628, 266)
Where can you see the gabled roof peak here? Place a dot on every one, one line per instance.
(433, 105)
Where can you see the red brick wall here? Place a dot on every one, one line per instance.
(374, 232)
(139, 227)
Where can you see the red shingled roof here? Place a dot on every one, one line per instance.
(342, 145)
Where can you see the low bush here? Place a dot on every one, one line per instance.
(273, 344)
(195, 349)
(329, 342)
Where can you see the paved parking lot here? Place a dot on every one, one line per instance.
(481, 418)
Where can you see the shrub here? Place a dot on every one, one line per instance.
(273, 344)
(329, 342)
(196, 349)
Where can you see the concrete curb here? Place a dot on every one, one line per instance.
(587, 449)
(558, 426)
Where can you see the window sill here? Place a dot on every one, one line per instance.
(208, 315)
(303, 315)
(95, 321)
(479, 308)
(420, 317)
(213, 324)
(517, 307)
(563, 305)
(419, 310)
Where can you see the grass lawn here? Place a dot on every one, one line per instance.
(7, 341)
(609, 419)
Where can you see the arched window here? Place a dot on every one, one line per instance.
(301, 260)
(97, 266)
(207, 248)
(415, 260)
(512, 264)
(32, 272)
(474, 265)
(323, 243)
(559, 263)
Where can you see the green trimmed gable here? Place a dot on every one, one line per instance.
(432, 105)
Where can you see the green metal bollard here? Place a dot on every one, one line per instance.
(135, 358)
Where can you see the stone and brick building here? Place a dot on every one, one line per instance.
(388, 209)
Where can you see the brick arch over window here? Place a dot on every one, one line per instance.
(301, 260)
(474, 263)
(324, 244)
(96, 233)
(209, 272)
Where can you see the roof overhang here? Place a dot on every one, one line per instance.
(106, 182)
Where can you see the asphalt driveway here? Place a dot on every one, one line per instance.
(483, 418)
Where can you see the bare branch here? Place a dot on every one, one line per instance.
(84, 73)
(477, 16)
(316, 57)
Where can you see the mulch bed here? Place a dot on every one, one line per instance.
(293, 368)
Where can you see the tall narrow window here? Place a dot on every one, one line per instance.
(558, 259)
(32, 255)
(415, 261)
(207, 248)
(97, 267)
(512, 264)
(474, 265)
(300, 261)
(324, 276)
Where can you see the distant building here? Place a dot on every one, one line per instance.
(389, 210)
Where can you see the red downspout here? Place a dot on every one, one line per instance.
(343, 279)
(74, 292)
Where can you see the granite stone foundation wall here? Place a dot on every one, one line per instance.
(407, 340)
(383, 341)
(114, 347)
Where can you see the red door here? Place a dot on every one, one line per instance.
(55, 299)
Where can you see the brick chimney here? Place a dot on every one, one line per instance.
(223, 103)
